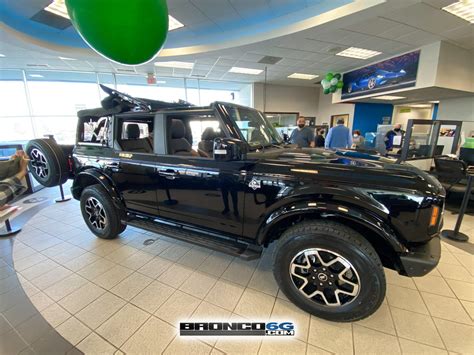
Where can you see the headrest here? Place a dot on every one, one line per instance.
(177, 129)
(209, 134)
(133, 131)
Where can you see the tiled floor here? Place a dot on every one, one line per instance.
(62, 289)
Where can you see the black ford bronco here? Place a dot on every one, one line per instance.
(222, 177)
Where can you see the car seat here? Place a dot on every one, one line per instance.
(178, 144)
(206, 145)
(133, 142)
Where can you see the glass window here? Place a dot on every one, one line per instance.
(16, 129)
(62, 93)
(13, 99)
(254, 126)
(208, 124)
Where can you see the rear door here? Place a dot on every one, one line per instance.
(133, 165)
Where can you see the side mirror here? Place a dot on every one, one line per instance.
(229, 149)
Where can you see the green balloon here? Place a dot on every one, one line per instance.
(333, 88)
(326, 91)
(125, 31)
(329, 76)
(340, 84)
(338, 76)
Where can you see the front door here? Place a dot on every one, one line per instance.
(203, 192)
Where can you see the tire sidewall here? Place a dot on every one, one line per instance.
(110, 231)
(371, 285)
(55, 160)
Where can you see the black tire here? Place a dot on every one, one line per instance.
(330, 239)
(105, 222)
(48, 163)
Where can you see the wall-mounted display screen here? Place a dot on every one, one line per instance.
(394, 73)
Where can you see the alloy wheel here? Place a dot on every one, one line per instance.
(371, 84)
(96, 213)
(39, 163)
(325, 277)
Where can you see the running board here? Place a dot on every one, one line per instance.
(218, 243)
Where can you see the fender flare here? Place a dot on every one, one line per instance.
(97, 177)
(353, 213)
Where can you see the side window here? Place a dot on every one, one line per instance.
(143, 129)
(193, 134)
(94, 130)
(136, 135)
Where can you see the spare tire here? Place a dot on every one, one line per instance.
(47, 164)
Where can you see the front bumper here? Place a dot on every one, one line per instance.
(422, 259)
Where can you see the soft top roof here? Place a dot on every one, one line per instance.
(118, 102)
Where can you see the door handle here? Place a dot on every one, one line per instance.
(114, 166)
(169, 174)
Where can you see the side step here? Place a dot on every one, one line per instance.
(214, 242)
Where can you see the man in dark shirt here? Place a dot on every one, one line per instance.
(390, 137)
(302, 136)
(319, 140)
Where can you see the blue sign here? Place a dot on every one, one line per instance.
(391, 74)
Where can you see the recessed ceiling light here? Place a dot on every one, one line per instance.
(359, 53)
(175, 64)
(36, 76)
(66, 58)
(420, 105)
(240, 70)
(161, 82)
(2, 55)
(302, 76)
(173, 23)
(388, 97)
(57, 7)
(434, 102)
(463, 9)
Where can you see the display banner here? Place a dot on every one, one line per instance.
(391, 74)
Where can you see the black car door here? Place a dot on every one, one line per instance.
(202, 192)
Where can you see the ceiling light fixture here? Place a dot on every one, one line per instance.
(58, 7)
(66, 58)
(302, 76)
(388, 97)
(173, 23)
(463, 9)
(249, 71)
(2, 55)
(175, 64)
(359, 53)
(36, 76)
(434, 102)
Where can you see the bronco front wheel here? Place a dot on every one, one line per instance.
(330, 271)
(100, 214)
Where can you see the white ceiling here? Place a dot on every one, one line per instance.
(392, 28)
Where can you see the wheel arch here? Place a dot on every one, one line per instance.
(92, 176)
(383, 239)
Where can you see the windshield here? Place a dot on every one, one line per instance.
(254, 127)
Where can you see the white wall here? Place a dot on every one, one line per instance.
(415, 113)
(326, 109)
(455, 68)
(459, 109)
(283, 98)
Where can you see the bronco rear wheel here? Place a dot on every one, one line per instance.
(100, 214)
(47, 164)
(329, 270)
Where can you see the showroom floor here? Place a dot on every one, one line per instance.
(63, 290)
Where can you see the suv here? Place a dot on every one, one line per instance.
(221, 177)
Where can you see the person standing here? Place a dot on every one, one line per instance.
(390, 138)
(319, 140)
(358, 141)
(302, 136)
(338, 136)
